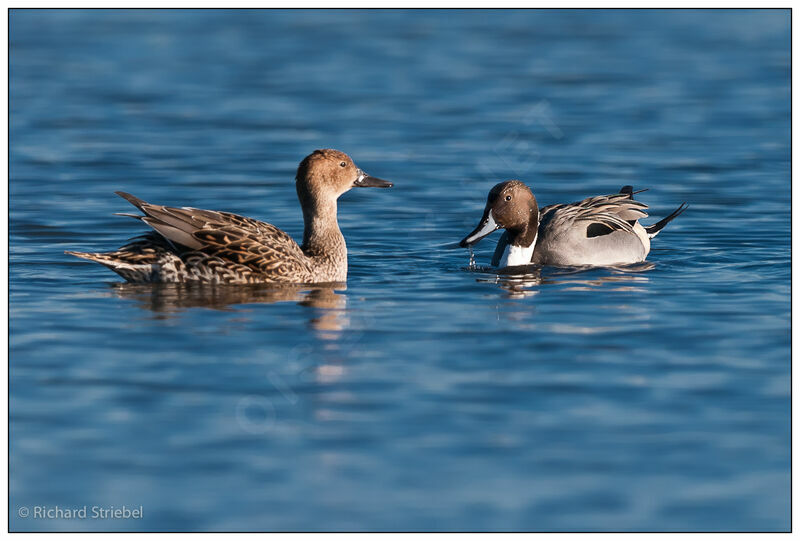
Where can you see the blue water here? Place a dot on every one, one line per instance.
(424, 396)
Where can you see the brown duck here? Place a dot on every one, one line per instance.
(206, 246)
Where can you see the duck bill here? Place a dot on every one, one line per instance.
(485, 228)
(366, 181)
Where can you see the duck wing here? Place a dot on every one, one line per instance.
(599, 215)
(256, 245)
(151, 258)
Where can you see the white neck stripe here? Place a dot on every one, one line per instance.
(518, 255)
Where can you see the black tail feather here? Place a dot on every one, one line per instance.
(629, 190)
(652, 230)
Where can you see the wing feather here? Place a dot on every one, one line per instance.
(613, 211)
(226, 237)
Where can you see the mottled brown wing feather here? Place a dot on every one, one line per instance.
(207, 268)
(276, 257)
(253, 244)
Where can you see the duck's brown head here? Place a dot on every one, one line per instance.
(330, 173)
(510, 206)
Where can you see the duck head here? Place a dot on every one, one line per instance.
(328, 173)
(511, 206)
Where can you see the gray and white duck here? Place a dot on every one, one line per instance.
(598, 231)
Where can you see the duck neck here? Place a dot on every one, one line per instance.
(525, 235)
(321, 235)
(521, 242)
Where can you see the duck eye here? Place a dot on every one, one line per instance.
(508, 198)
(343, 164)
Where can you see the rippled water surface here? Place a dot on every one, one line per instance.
(423, 396)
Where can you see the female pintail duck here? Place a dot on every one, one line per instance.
(193, 245)
(598, 231)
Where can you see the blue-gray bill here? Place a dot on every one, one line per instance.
(486, 227)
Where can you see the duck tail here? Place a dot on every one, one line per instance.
(133, 200)
(129, 270)
(653, 230)
(84, 255)
(138, 261)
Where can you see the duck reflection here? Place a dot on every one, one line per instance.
(329, 313)
(517, 281)
(523, 281)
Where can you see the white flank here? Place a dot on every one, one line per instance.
(644, 236)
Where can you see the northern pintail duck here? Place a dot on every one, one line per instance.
(193, 245)
(598, 231)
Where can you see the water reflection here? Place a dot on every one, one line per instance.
(328, 315)
(521, 282)
(517, 281)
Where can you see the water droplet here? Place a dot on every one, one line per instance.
(471, 258)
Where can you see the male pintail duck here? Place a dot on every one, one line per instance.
(193, 245)
(598, 231)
